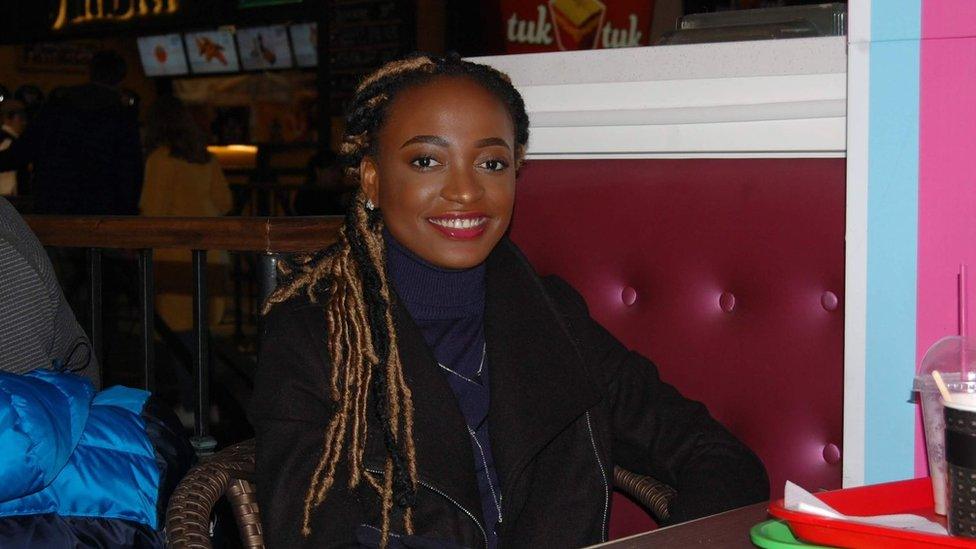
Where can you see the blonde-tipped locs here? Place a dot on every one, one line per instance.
(366, 375)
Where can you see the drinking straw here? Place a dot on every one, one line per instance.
(963, 359)
(942, 386)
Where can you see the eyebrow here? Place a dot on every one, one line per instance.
(432, 139)
(492, 141)
(441, 142)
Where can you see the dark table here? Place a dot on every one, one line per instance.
(729, 529)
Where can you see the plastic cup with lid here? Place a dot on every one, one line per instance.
(954, 357)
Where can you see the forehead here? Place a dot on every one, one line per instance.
(448, 105)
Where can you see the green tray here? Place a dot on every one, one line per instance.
(775, 534)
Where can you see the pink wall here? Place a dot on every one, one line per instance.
(947, 171)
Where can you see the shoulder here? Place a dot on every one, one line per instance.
(295, 317)
(159, 159)
(564, 295)
(293, 361)
(15, 232)
(10, 218)
(159, 155)
(560, 294)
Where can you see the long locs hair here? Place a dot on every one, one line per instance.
(366, 374)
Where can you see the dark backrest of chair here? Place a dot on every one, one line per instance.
(728, 274)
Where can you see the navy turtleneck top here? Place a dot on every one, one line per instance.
(449, 308)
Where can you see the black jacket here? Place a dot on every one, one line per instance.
(568, 403)
(86, 151)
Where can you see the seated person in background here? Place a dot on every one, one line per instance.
(37, 326)
(81, 468)
(419, 385)
(13, 122)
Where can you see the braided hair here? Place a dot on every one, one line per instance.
(366, 374)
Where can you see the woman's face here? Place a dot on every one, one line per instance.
(444, 174)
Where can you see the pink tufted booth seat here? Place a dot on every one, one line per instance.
(728, 274)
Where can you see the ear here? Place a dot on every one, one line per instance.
(369, 179)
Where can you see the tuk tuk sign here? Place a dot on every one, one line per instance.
(536, 26)
(79, 12)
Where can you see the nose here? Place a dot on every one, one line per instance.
(463, 186)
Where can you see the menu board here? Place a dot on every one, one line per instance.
(162, 55)
(211, 51)
(364, 34)
(263, 48)
(305, 44)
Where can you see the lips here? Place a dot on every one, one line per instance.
(460, 226)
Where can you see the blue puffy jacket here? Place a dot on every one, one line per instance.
(83, 469)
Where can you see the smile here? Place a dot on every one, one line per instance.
(460, 227)
(459, 223)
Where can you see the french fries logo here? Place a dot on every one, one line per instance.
(577, 22)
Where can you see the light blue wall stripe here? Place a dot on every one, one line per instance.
(895, 20)
(889, 446)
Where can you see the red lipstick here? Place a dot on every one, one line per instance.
(460, 225)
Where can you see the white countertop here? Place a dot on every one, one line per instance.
(732, 99)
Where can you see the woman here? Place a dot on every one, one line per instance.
(420, 386)
(183, 179)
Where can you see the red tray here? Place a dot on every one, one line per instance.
(907, 496)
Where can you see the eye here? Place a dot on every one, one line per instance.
(425, 162)
(494, 165)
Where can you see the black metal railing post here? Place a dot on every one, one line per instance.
(94, 263)
(267, 281)
(146, 298)
(203, 443)
(238, 273)
(267, 277)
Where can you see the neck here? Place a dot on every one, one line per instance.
(429, 291)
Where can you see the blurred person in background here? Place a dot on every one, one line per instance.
(13, 122)
(183, 179)
(84, 146)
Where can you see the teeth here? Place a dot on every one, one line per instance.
(458, 223)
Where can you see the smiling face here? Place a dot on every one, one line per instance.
(444, 172)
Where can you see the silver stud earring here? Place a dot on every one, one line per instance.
(369, 205)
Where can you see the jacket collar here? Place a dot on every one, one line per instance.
(538, 384)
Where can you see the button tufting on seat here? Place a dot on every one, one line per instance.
(628, 296)
(829, 300)
(727, 302)
(831, 453)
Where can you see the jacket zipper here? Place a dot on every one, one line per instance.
(481, 528)
(603, 475)
(510, 485)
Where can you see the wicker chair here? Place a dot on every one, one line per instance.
(230, 473)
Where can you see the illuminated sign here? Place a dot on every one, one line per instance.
(262, 3)
(78, 12)
(531, 26)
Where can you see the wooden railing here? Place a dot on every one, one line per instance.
(255, 234)
(268, 237)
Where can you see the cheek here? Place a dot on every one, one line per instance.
(503, 196)
(405, 191)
